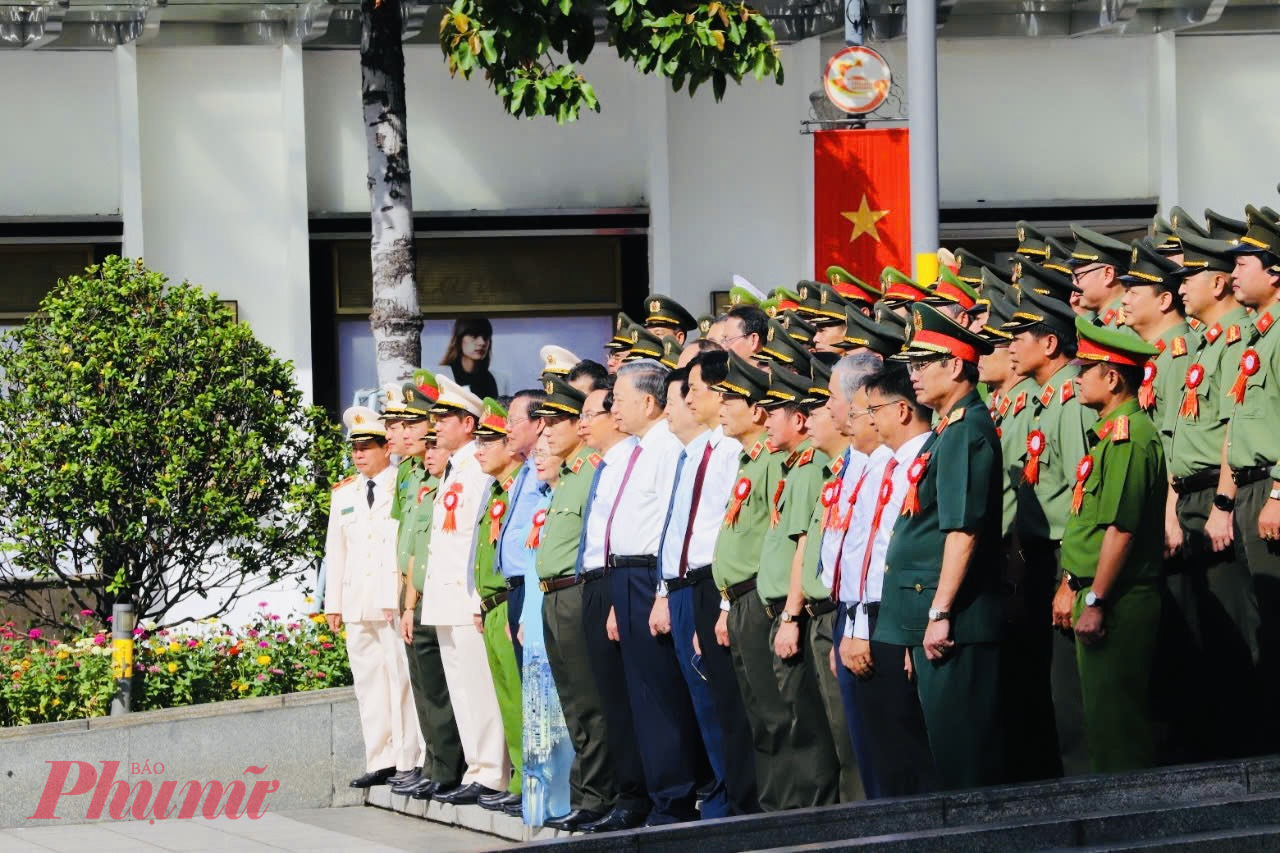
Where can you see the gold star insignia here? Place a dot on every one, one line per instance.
(864, 220)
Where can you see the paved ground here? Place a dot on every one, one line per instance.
(309, 830)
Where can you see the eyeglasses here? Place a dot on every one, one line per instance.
(725, 342)
(1076, 275)
(854, 414)
(587, 417)
(915, 368)
(871, 410)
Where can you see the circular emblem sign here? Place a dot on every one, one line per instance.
(857, 80)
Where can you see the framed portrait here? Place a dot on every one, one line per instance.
(719, 302)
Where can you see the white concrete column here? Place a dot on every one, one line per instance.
(1164, 120)
(658, 186)
(129, 140)
(806, 63)
(293, 129)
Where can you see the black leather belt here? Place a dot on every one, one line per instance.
(773, 607)
(639, 561)
(690, 578)
(816, 607)
(592, 575)
(1075, 584)
(487, 604)
(733, 592)
(557, 584)
(871, 608)
(1245, 476)
(1199, 481)
(515, 582)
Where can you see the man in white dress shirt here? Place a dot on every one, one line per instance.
(362, 591)
(450, 601)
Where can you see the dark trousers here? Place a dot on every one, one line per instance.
(715, 802)
(893, 722)
(855, 720)
(717, 666)
(824, 633)
(1262, 558)
(515, 606)
(808, 738)
(960, 697)
(591, 779)
(443, 760)
(605, 658)
(666, 730)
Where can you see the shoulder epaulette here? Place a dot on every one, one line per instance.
(837, 465)
(1179, 346)
(595, 460)
(577, 465)
(756, 449)
(342, 483)
(1068, 390)
(1121, 431)
(1046, 396)
(1004, 406)
(1020, 403)
(805, 458)
(1233, 334)
(1264, 322)
(1108, 317)
(957, 415)
(791, 459)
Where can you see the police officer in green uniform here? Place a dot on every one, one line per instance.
(1153, 309)
(813, 765)
(502, 464)
(1009, 403)
(593, 789)
(668, 318)
(1097, 262)
(1112, 550)
(1254, 446)
(943, 569)
(743, 626)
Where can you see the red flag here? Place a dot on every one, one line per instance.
(862, 201)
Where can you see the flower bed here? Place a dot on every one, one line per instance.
(44, 680)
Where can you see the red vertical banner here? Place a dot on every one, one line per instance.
(862, 201)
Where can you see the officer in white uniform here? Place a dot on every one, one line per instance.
(362, 591)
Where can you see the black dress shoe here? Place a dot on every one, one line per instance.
(421, 791)
(402, 781)
(515, 809)
(619, 818)
(573, 819)
(496, 802)
(464, 796)
(377, 777)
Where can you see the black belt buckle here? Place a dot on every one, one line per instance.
(773, 609)
(819, 607)
(591, 575)
(1076, 584)
(871, 608)
(515, 582)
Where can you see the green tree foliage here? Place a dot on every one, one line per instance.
(152, 449)
(519, 47)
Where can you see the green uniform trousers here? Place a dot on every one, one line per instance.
(443, 760)
(810, 733)
(1262, 558)
(1115, 681)
(506, 683)
(817, 658)
(960, 697)
(591, 782)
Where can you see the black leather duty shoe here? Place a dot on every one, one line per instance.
(465, 796)
(573, 819)
(615, 820)
(515, 809)
(377, 777)
(496, 802)
(421, 791)
(402, 781)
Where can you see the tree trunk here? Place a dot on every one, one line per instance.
(396, 320)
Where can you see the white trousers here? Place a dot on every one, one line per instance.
(380, 670)
(475, 706)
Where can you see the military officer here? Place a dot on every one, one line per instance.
(1111, 552)
(616, 348)
(1223, 227)
(944, 563)
(362, 591)
(1097, 262)
(900, 291)
(668, 318)
(854, 290)
(953, 296)
(557, 361)
(863, 333)
(1153, 309)
(826, 314)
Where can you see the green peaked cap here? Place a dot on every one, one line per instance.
(1199, 253)
(900, 288)
(937, 334)
(1093, 247)
(665, 311)
(780, 347)
(563, 400)
(743, 380)
(787, 386)
(850, 286)
(493, 420)
(1114, 346)
(862, 331)
(1148, 265)
(1183, 222)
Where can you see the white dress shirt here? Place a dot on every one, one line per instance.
(615, 467)
(642, 505)
(449, 591)
(905, 455)
(855, 544)
(833, 538)
(717, 484)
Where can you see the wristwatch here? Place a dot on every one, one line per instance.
(787, 617)
(661, 591)
(1092, 599)
(936, 615)
(1274, 494)
(1226, 504)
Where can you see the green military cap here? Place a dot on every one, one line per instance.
(796, 327)
(1270, 213)
(787, 386)
(1200, 253)
(493, 420)
(364, 424)
(1162, 236)
(743, 380)
(889, 319)
(1183, 221)
(1059, 256)
(850, 286)
(1095, 248)
(1040, 309)
(780, 347)
(1031, 240)
(704, 324)
(1113, 346)
(993, 285)
(1147, 265)
(621, 332)
(1045, 281)
(900, 288)
(1001, 312)
(770, 307)
(644, 344)
(819, 383)
(1224, 227)
(744, 292)
(949, 289)
(862, 331)
(937, 334)
(971, 267)
(785, 298)
(808, 294)
(563, 400)
(671, 349)
(665, 311)
(830, 308)
(419, 396)
(1263, 235)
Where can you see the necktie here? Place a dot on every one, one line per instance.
(369, 495)
(448, 469)
(882, 499)
(586, 513)
(835, 573)
(693, 509)
(671, 505)
(622, 487)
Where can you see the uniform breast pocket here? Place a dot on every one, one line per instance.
(1255, 402)
(918, 588)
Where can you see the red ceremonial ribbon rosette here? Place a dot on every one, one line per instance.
(830, 501)
(1083, 470)
(741, 489)
(911, 503)
(774, 515)
(1191, 400)
(535, 533)
(1249, 364)
(450, 504)
(496, 511)
(424, 491)
(1147, 391)
(1035, 447)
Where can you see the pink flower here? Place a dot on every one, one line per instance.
(108, 620)
(153, 669)
(5, 648)
(262, 644)
(322, 675)
(100, 640)
(326, 645)
(277, 672)
(262, 676)
(281, 638)
(191, 644)
(138, 632)
(313, 651)
(253, 634)
(262, 604)
(86, 612)
(35, 633)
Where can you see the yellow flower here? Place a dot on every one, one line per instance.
(309, 599)
(263, 660)
(173, 667)
(343, 635)
(159, 650)
(324, 638)
(175, 647)
(243, 687)
(318, 618)
(62, 656)
(57, 702)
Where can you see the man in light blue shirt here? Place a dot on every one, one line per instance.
(512, 554)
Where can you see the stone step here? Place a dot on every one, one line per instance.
(473, 818)
(1257, 839)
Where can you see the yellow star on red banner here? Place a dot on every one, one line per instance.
(864, 220)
